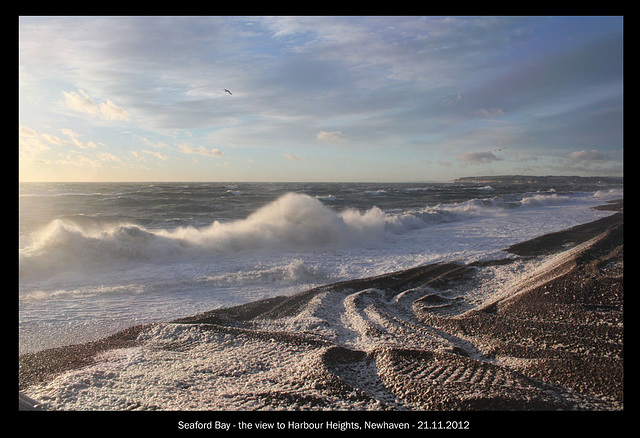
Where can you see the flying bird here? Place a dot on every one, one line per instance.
(228, 91)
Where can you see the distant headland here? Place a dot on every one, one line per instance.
(533, 179)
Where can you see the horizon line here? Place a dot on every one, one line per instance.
(320, 181)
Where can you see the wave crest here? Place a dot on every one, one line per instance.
(292, 222)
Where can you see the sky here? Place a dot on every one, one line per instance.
(371, 99)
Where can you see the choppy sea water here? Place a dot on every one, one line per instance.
(95, 258)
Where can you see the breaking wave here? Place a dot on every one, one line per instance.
(292, 222)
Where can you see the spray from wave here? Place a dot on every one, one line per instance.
(292, 222)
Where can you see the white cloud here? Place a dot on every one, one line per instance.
(76, 142)
(107, 157)
(158, 155)
(32, 144)
(452, 101)
(95, 161)
(488, 113)
(478, 157)
(200, 150)
(331, 136)
(78, 161)
(592, 155)
(84, 103)
(387, 82)
(25, 131)
(292, 157)
(152, 144)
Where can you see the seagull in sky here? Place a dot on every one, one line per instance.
(228, 91)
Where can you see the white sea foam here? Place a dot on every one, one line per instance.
(292, 222)
(85, 276)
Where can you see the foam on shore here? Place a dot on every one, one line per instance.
(525, 332)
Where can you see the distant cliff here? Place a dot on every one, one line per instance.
(532, 179)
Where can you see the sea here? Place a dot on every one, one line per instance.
(95, 258)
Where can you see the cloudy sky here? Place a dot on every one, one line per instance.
(318, 98)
